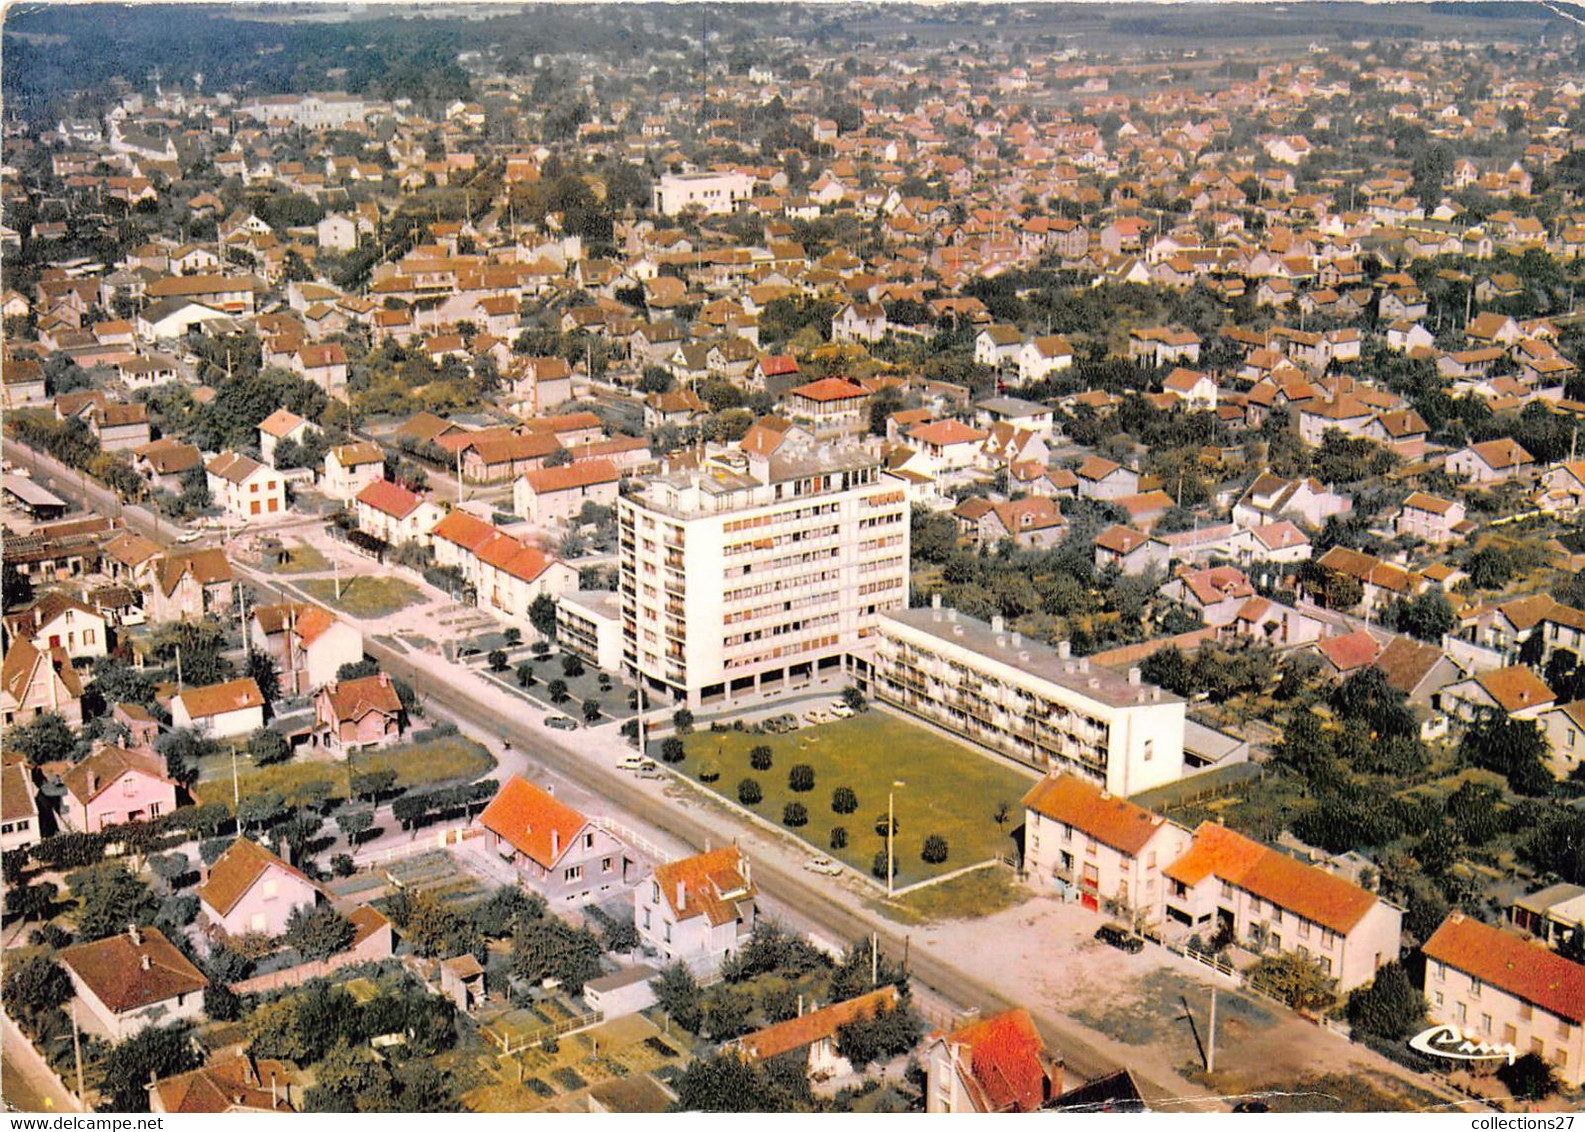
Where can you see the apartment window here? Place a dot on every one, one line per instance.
(1461, 1012)
(1485, 1024)
(572, 874)
(1474, 988)
(1227, 891)
(1538, 1047)
(1067, 832)
(588, 841)
(1328, 938)
(1510, 1033)
(1304, 929)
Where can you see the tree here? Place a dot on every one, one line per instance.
(795, 814)
(591, 710)
(571, 666)
(497, 660)
(844, 800)
(261, 666)
(760, 757)
(154, 1053)
(108, 899)
(839, 837)
(749, 792)
(525, 674)
(551, 948)
(682, 721)
(1388, 1006)
(854, 698)
(1514, 748)
(1529, 1078)
(725, 1082)
(672, 749)
(354, 824)
(1296, 980)
(45, 738)
(890, 1031)
(319, 933)
(801, 778)
(878, 864)
(542, 615)
(33, 988)
(557, 690)
(934, 850)
(679, 995)
(267, 747)
(294, 269)
(31, 901)
(655, 379)
(1427, 616)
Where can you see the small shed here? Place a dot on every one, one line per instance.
(626, 992)
(462, 981)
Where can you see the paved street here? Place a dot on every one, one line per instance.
(26, 1083)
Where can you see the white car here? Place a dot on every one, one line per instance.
(841, 711)
(825, 866)
(632, 762)
(188, 536)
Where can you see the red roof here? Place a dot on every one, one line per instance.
(1350, 650)
(1105, 817)
(1509, 963)
(831, 389)
(532, 822)
(946, 432)
(1007, 1058)
(390, 499)
(1304, 890)
(580, 473)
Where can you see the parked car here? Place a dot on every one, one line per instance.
(632, 762)
(842, 711)
(825, 866)
(1120, 937)
(561, 722)
(188, 536)
(649, 769)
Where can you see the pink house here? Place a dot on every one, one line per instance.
(359, 713)
(251, 890)
(113, 786)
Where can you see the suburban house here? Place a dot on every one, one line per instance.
(995, 1064)
(35, 683)
(358, 714)
(1039, 358)
(1494, 461)
(19, 808)
(1550, 914)
(555, 850)
(1500, 988)
(1100, 478)
(56, 621)
(246, 489)
(390, 512)
(556, 495)
(1516, 691)
(133, 980)
(1432, 519)
(280, 426)
(232, 708)
(699, 909)
(830, 406)
(1107, 848)
(1271, 498)
(349, 468)
(1270, 902)
(1133, 552)
(115, 786)
(237, 1082)
(308, 644)
(816, 1031)
(251, 891)
(187, 586)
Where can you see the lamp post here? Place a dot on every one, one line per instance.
(891, 835)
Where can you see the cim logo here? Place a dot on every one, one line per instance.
(1450, 1042)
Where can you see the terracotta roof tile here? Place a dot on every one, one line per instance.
(796, 1033)
(1007, 1059)
(236, 871)
(526, 817)
(1112, 821)
(1523, 969)
(126, 975)
(217, 699)
(713, 885)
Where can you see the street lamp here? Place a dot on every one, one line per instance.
(891, 834)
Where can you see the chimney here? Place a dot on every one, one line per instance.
(555, 843)
(682, 896)
(1084, 664)
(144, 962)
(385, 679)
(1018, 640)
(134, 935)
(1135, 676)
(1064, 650)
(997, 624)
(93, 782)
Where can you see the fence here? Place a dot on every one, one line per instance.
(300, 974)
(510, 1044)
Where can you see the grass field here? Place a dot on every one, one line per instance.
(302, 559)
(416, 765)
(983, 892)
(364, 595)
(947, 788)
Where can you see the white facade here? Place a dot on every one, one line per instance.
(1028, 701)
(710, 193)
(758, 574)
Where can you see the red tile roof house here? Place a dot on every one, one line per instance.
(359, 714)
(556, 851)
(998, 1064)
(221, 711)
(699, 909)
(1499, 988)
(1516, 691)
(114, 786)
(250, 890)
(1133, 552)
(308, 644)
(131, 981)
(1347, 653)
(389, 511)
(1495, 461)
(816, 1032)
(1106, 847)
(1274, 903)
(556, 495)
(832, 405)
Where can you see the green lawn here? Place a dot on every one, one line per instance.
(364, 595)
(417, 765)
(948, 789)
(983, 892)
(302, 559)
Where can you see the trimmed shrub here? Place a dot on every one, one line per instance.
(672, 749)
(801, 778)
(760, 757)
(839, 837)
(843, 800)
(935, 849)
(749, 792)
(794, 814)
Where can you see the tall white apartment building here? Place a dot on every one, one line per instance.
(755, 573)
(1028, 701)
(711, 193)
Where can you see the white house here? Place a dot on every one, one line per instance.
(245, 488)
(133, 980)
(234, 708)
(349, 468)
(250, 890)
(699, 909)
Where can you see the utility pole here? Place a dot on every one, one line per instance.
(1210, 1041)
(875, 959)
(77, 1052)
(178, 668)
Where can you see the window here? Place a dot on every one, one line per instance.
(1460, 1012)
(1526, 1011)
(256, 922)
(1510, 1033)
(271, 888)
(668, 931)
(648, 919)
(1227, 891)
(1485, 1024)
(1326, 965)
(654, 893)
(1304, 928)
(605, 864)
(1474, 987)
(572, 874)
(1150, 749)
(1328, 938)
(1441, 972)
(1436, 996)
